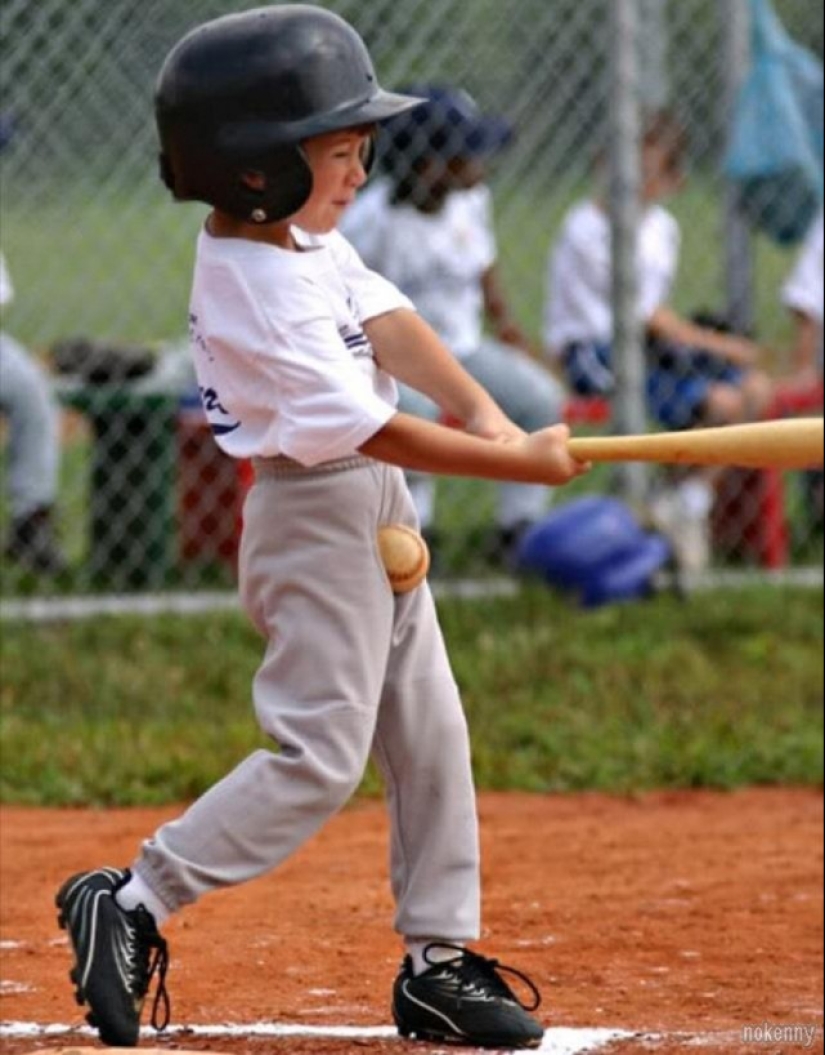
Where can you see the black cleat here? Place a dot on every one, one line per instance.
(464, 1001)
(113, 956)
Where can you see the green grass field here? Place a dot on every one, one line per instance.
(716, 691)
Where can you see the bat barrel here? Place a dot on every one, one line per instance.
(795, 443)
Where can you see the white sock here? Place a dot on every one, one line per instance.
(136, 892)
(437, 954)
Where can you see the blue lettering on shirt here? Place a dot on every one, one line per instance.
(212, 405)
(357, 342)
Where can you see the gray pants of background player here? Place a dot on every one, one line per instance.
(349, 669)
(528, 394)
(34, 429)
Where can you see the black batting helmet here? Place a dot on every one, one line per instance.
(242, 92)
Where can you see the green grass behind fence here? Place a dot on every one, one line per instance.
(131, 252)
(723, 690)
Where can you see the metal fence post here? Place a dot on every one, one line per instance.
(655, 75)
(735, 17)
(625, 193)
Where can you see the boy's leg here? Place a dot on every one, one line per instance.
(314, 585)
(312, 582)
(421, 745)
(422, 748)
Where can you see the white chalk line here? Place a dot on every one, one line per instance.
(556, 1041)
(83, 606)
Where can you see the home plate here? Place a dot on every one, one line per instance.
(556, 1041)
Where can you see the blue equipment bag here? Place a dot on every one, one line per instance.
(595, 548)
(775, 154)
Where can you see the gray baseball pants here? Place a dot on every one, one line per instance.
(350, 669)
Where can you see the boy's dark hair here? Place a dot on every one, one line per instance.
(664, 130)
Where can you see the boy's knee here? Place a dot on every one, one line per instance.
(335, 765)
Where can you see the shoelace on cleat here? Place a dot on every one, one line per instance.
(481, 973)
(147, 941)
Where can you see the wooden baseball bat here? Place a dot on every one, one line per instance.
(792, 443)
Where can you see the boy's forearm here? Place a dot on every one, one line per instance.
(413, 443)
(408, 348)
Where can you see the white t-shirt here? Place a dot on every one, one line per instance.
(578, 304)
(437, 260)
(803, 290)
(283, 363)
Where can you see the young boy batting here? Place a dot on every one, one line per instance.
(268, 116)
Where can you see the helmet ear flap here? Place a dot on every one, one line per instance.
(286, 188)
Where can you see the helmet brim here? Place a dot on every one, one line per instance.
(379, 107)
(385, 105)
(248, 138)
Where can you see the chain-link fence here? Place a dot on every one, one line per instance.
(100, 259)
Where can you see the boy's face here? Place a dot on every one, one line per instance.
(338, 163)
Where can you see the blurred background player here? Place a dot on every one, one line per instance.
(426, 223)
(33, 451)
(803, 296)
(696, 374)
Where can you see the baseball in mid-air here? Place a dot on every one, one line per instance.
(405, 556)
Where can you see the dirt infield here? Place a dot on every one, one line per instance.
(682, 918)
